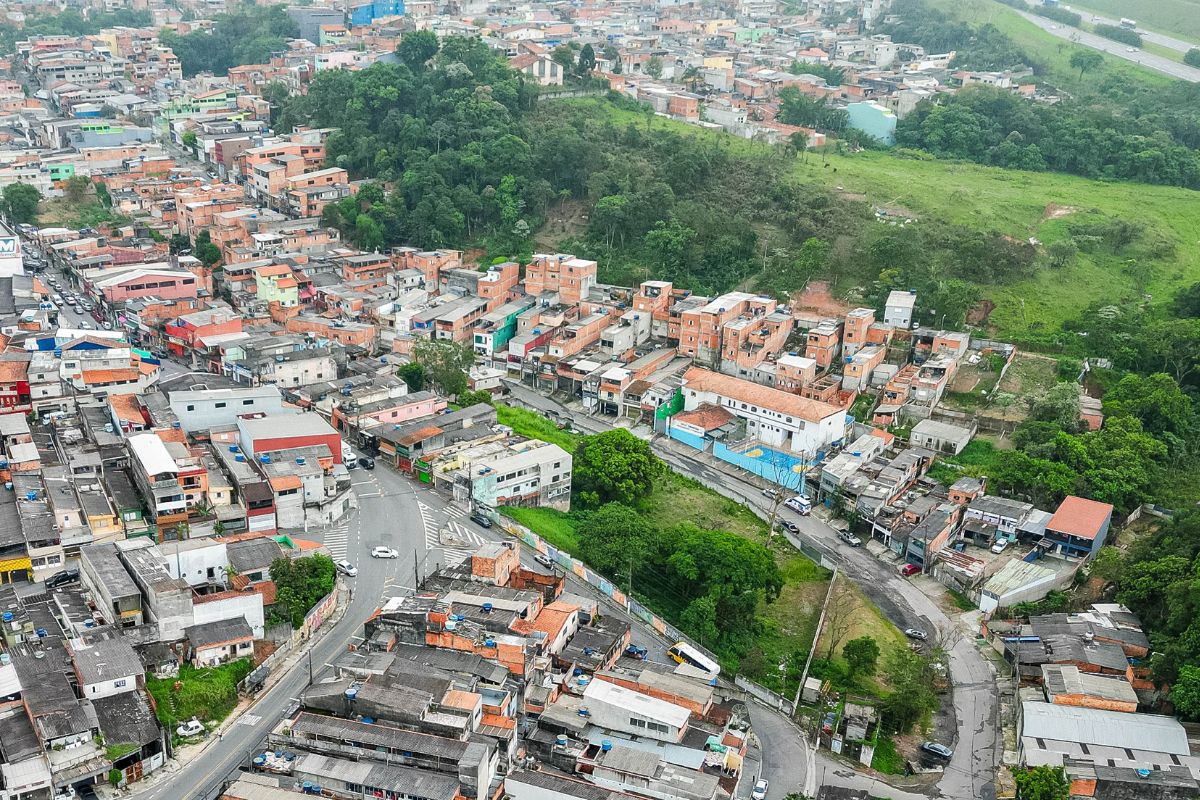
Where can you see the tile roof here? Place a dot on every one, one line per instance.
(97, 376)
(1077, 516)
(703, 380)
(706, 416)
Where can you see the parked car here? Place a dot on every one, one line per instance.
(351, 464)
(909, 569)
(62, 578)
(193, 727)
(346, 568)
(770, 493)
(760, 790)
(916, 633)
(850, 539)
(544, 560)
(481, 520)
(939, 750)
(366, 462)
(384, 552)
(1001, 545)
(789, 525)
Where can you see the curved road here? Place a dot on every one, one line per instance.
(1159, 63)
(971, 771)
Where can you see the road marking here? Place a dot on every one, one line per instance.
(454, 511)
(336, 539)
(249, 720)
(454, 554)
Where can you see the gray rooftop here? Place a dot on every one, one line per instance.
(106, 660)
(218, 632)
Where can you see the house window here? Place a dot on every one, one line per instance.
(191, 408)
(247, 402)
(119, 683)
(219, 405)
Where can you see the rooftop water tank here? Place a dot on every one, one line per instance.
(300, 460)
(605, 746)
(8, 616)
(489, 643)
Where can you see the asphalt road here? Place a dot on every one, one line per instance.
(1156, 62)
(1149, 36)
(971, 771)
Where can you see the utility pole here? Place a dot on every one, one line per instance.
(310, 668)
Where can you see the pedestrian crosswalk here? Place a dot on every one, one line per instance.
(337, 539)
(453, 539)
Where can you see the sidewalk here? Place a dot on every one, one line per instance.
(185, 754)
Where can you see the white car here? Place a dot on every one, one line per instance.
(193, 727)
(1000, 546)
(384, 552)
(760, 790)
(346, 568)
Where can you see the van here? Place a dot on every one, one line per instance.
(800, 504)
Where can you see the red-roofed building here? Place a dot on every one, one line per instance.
(1079, 527)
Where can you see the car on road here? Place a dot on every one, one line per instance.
(85, 324)
(800, 504)
(909, 570)
(366, 462)
(1000, 546)
(384, 552)
(481, 520)
(939, 750)
(1130, 49)
(789, 525)
(351, 463)
(760, 790)
(850, 539)
(62, 578)
(346, 568)
(193, 727)
(770, 494)
(544, 560)
(916, 633)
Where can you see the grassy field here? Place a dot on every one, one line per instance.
(207, 694)
(87, 213)
(1020, 204)
(554, 526)
(535, 426)
(863, 619)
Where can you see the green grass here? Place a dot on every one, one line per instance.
(1173, 17)
(679, 499)
(552, 525)
(1012, 202)
(208, 694)
(961, 601)
(115, 751)
(886, 759)
(535, 426)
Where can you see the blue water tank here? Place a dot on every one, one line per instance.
(489, 643)
(605, 746)
(487, 608)
(233, 448)
(41, 632)
(8, 616)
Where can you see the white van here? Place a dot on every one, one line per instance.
(347, 453)
(800, 504)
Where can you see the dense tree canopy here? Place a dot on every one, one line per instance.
(248, 35)
(300, 583)
(21, 202)
(614, 466)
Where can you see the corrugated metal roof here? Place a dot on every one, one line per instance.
(1093, 726)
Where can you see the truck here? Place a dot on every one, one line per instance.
(1128, 24)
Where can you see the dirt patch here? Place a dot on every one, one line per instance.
(1030, 375)
(564, 220)
(817, 297)
(980, 313)
(1055, 211)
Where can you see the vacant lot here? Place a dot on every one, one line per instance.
(1020, 204)
(207, 694)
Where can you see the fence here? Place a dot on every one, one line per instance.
(766, 695)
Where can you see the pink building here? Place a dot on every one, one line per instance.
(165, 284)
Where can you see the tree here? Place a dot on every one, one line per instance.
(565, 57)
(75, 188)
(654, 67)
(21, 203)
(1061, 252)
(178, 243)
(1192, 57)
(614, 466)
(1156, 400)
(586, 62)
(911, 676)
(1060, 406)
(300, 583)
(467, 399)
(861, 655)
(616, 540)
(189, 140)
(446, 364)
(839, 618)
(1185, 692)
(1086, 61)
(208, 253)
(417, 48)
(1042, 783)
(413, 374)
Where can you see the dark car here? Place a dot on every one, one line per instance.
(481, 520)
(62, 578)
(789, 525)
(366, 462)
(937, 749)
